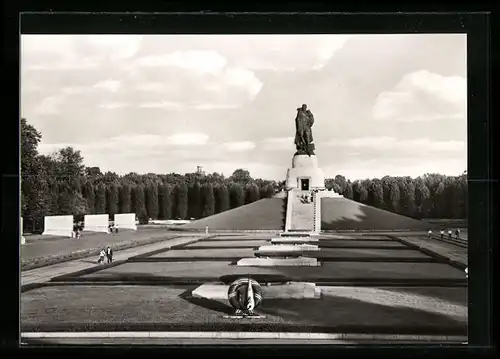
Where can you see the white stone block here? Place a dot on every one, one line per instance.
(288, 248)
(23, 240)
(299, 234)
(125, 221)
(279, 262)
(58, 226)
(294, 240)
(280, 248)
(96, 222)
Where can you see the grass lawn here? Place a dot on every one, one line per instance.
(243, 237)
(201, 253)
(44, 248)
(331, 270)
(360, 253)
(91, 307)
(264, 214)
(342, 213)
(360, 243)
(235, 244)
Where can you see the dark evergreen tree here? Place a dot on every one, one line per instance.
(195, 208)
(125, 199)
(151, 192)
(182, 200)
(208, 200)
(100, 199)
(236, 195)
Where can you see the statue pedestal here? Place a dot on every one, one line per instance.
(305, 174)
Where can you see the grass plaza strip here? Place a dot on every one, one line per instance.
(396, 294)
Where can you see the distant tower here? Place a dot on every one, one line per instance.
(199, 169)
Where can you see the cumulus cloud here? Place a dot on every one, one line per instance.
(153, 87)
(109, 85)
(243, 78)
(195, 60)
(117, 47)
(188, 139)
(209, 106)
(278, 144)
(239, 146)
(287, 52)
(423, 96)
(174, 102)
(385, 143)
(113, 105)
(132, 145)
(162, 104)
(75, 52)
(50, 105)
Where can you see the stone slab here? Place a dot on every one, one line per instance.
(125, 221)
(58, 226)
(96, 223)
(298, 234)
(279, 262)
(288, 248)
(292, 290)
(294, 240)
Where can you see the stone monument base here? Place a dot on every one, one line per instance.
(305, 174)
(293, 234)
(279, 262)
(294, 240)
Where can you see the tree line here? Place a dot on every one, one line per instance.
(60, 184)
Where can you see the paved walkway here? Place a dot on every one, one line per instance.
(44, 274)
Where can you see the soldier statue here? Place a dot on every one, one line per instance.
(303, 135)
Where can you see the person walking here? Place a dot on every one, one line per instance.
(457, 233)
(109, 254)
(450, 234)
(102, 253)
(429, 234)
(442, 234)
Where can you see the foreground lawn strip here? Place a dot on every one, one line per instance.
(47, 261)
(173, 308)
(86, 271)
(166, 249)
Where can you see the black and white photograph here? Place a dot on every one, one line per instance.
(244, 188)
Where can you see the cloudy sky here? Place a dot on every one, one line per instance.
(383, 104)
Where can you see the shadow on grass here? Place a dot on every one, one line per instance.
(358, 316)
(344, 214)
(209, 304)
(330, 314)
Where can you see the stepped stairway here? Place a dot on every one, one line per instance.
(302, 217)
